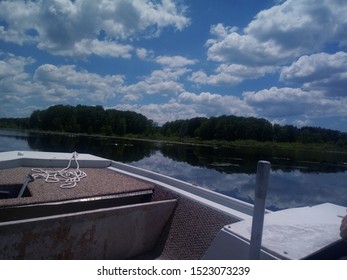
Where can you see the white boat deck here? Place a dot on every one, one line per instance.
(296, 233)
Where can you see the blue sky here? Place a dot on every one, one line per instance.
(285, 61)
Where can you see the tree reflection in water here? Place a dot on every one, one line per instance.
(298, 177)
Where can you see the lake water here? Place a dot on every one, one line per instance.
(298, 178)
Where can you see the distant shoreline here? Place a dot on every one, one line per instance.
(329, 148)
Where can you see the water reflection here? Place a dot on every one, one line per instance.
(243, 159)
(298, 178)
(13, 140)
(118, 149)
(286, 189)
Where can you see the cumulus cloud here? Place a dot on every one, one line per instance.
(60, 83)
(15, 84)
(163, 82)
(301, 25)
(50, 84)
(321, 71)
(211, 104)
(235, 48)
(280, 33)
(161, 113)
(272, 39)
(12, 66)
(86, 47)
(175, 61)
(279, 102)
(73, 27)
(17, 17)
(144, 54)
(230, 74)
(288, 102)
(14, 80)
(188, 105)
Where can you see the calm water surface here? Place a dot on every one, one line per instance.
(298, 178)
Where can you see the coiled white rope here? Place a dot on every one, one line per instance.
(69, 177)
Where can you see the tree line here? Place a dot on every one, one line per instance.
(83, 119)
(97, 120)
(231, 128)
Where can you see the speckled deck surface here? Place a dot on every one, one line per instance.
(99, 181)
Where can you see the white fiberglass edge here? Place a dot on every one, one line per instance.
(231, 206)
(34, 159)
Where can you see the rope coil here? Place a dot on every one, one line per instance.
(69, 177)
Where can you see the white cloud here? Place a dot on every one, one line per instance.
(144, 54)
(321, 71)
(274, 38)
(212, 104)
(294, 102)
(230, 74)
(301, 25)
(50, 84)
(281, 33)
(175, 61)
(72, 27)
(66, 82)
(14, 81)
(162, 14)
(86, 47)
(15, 85)
(188, 105)
(234, 48)
(221, 31)
(163, 82)
(18, 17)
(129, 19)
(12, 66)
(161, 113)
(280, 102)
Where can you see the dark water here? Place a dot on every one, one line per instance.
(298, 178)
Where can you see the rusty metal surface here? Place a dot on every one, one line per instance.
(115, 233)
